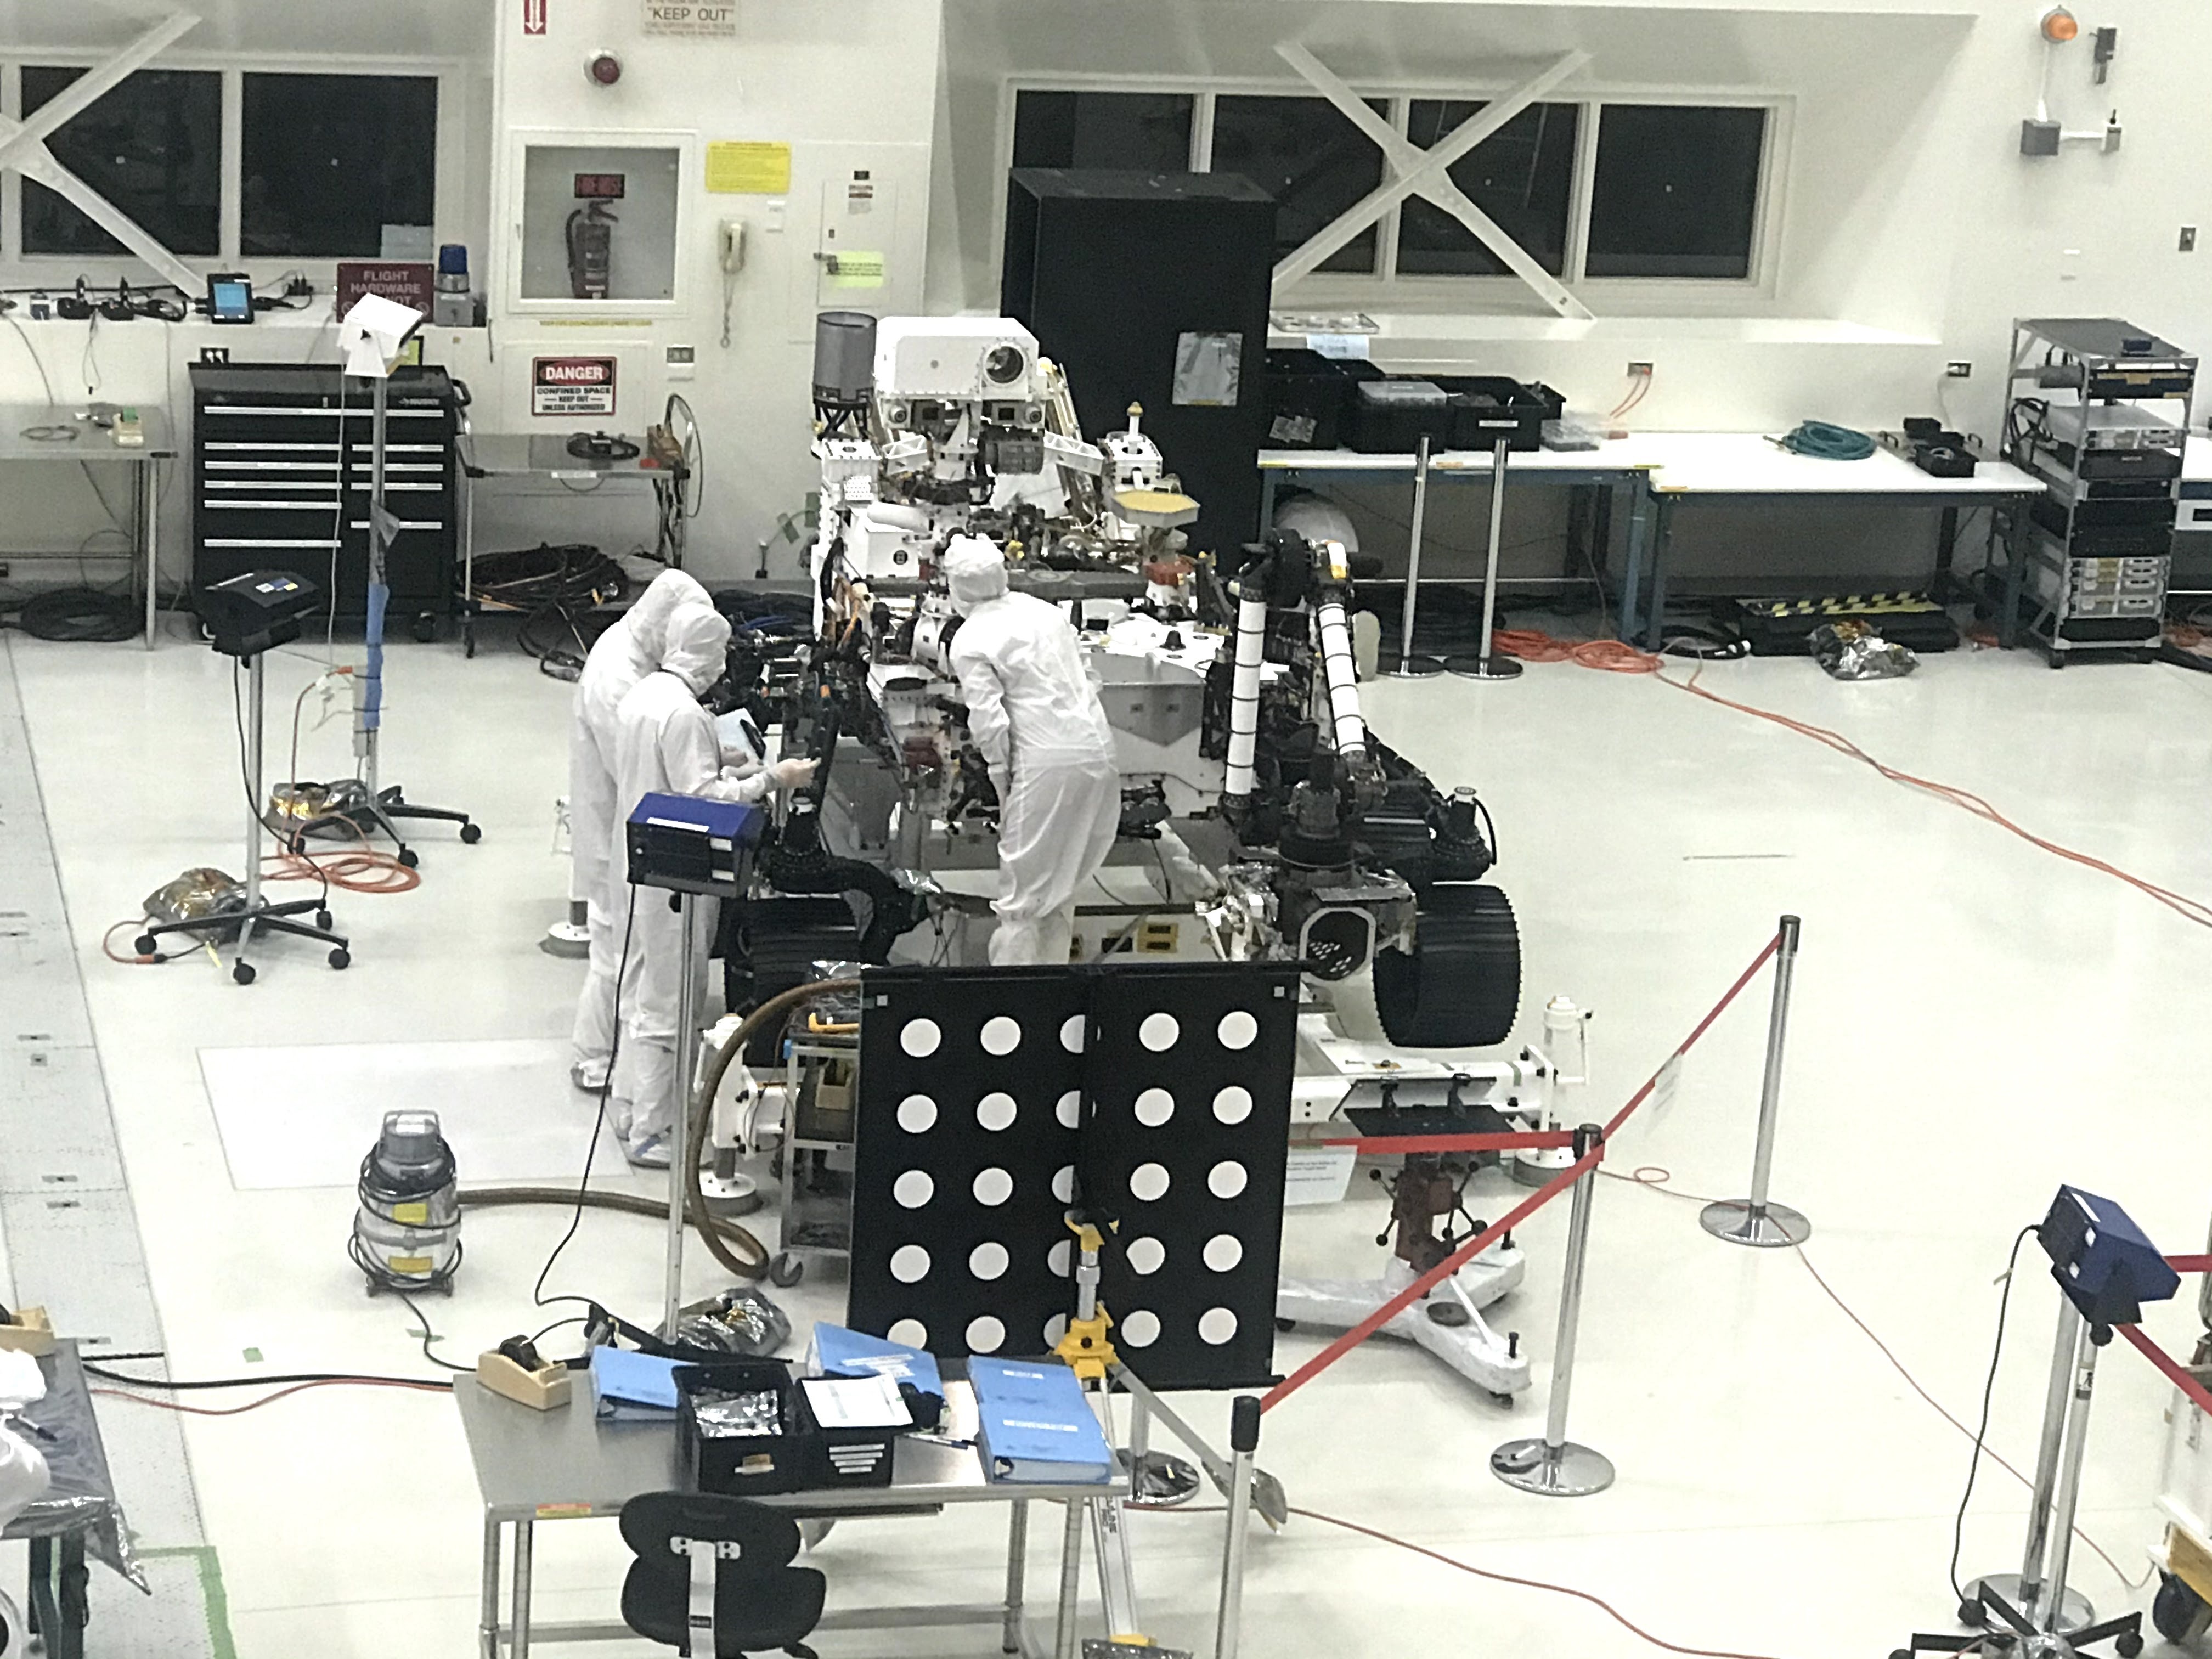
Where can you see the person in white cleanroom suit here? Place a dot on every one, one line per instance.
(619, 658)
(665, 743)
(1035, 713)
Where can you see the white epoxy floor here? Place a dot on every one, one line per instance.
(1975, 1023)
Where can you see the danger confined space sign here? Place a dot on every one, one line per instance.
(572, 386)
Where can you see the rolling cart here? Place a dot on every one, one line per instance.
(816, 1163)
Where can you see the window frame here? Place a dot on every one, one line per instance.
(449, 198)
(1505, 293)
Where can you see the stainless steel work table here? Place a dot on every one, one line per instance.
(95, 446)
(565, 1465)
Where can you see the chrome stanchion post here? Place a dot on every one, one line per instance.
(1753, 1220)
(679, 1147)
(1412, 668)
(2068, 1497)
(1554, 1467)
(2028, 1591)
(1487, 665)
(1243, 1446)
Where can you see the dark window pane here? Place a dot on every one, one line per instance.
(152, 147)
(1522, 176)
(1146, 132)
(330, 160)
(1676, 191)
(1303, 152)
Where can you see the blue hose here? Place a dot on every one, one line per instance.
(1825, 442)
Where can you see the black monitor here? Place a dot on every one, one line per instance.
(229, 297)
(255, 612)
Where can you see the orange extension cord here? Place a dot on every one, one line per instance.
(1532, 644)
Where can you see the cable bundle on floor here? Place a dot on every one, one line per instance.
(80, 616)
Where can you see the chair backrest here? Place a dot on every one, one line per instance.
(713, 1576)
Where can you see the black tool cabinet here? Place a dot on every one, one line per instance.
(272, 446)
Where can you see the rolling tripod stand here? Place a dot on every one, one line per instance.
(259, 915)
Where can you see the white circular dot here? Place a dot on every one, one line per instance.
(1233, 1104)
(1154, 1107)
(919, 1038)
(1055, 1328)
(910, 1263)
(1001, 1035)
(985, 1334)
(1236, 1029)
(1149, 1182)
(995, 1110)
(1147, 1255)
(913, 1190)
(917, 1114)
(910, 1333)
(994, 1187)
(1225, 1179)
(1070, 1034)
(1159, 1032)
(1060, 1258)
(1141, 1328)
(1223, 1251)
(1217, 1325)
(1063, 1183)
(987, 1261)
(1070, 1110)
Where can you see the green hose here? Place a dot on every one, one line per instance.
(1825, 442)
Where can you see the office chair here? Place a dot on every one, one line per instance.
(714, 1578)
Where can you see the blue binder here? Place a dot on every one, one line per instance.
(1037, 1428)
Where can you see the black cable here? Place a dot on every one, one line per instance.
(79, 616)
(106, 1376)
(1982, 1428)
(429, 1335)
(598, 1122)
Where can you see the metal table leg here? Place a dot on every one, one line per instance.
(1017, 1552)
(488, 1620)
(147, 498)
(1071, 1580)
(1662, 537)
(67, 1641)
(1640, 513)
(1947, 548)
(518, 1614)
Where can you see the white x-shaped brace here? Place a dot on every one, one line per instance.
(1424, 172)
(23, 147)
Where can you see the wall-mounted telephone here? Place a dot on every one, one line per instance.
(731, 247)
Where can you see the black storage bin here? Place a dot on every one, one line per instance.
(1487, 407)
(805, 1457)
(1389, 417)
(1308, 395)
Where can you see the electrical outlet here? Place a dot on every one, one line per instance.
(215, 354)
(1639, 368)
(1958, 369)
(2189, 239)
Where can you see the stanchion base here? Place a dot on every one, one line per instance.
(1563, 1471)
(2074, 1613)
(566, 938)
(1164, 1482)
(1416, 667)
(1474, 668)
(1775, 1227)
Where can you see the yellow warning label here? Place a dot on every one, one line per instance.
(409, 1264)
(416, 1214)
(564, 1511)
(745, 169)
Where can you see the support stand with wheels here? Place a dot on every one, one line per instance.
(380, 807)
(1411, 666)
(2034, 1610)
(1485, 665)
(259, 916)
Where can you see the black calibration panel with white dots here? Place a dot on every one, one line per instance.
(989, 1096)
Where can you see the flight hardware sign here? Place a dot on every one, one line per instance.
(697, 20)
(572, 386)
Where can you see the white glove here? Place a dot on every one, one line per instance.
(794, 774)
(738, 761)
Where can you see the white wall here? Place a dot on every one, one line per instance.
(1910, 232)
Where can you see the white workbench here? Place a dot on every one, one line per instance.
(1663, 468)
